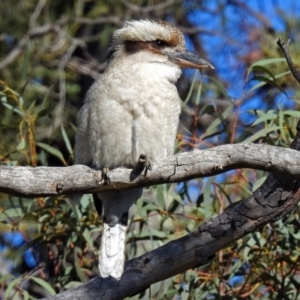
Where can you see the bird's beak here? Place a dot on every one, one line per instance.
(187, 60)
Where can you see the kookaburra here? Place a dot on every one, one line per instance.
(132, 109)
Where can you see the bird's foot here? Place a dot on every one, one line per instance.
(143, 164)
(104, 176)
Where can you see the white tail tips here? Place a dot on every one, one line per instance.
(112, 251)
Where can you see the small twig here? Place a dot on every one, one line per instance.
(160, 7)
(100, 20)
(37, 11)
(284, 47)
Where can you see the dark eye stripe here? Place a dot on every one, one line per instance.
(135, 46)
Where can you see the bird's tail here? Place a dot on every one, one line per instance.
(112, 252)
(116, 205)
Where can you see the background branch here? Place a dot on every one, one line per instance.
(31, 34)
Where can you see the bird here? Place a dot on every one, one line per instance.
(133, 108)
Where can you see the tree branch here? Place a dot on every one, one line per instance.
(277, 196)
(51, 181)
(273, 200)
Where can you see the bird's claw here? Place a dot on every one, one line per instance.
(104, 176)
(143, 164)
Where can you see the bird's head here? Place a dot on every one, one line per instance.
(158, 38)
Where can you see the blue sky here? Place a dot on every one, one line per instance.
(230, 42)
(222, 52)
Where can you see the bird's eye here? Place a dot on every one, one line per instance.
(159, 44)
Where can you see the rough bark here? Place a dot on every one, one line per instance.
(51, 181)
(278, 196)
(274, 199)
